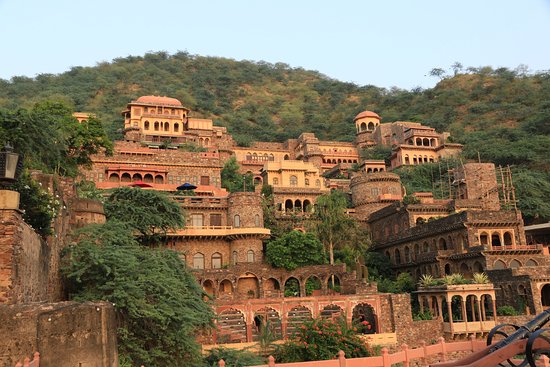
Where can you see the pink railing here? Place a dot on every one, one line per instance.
(405, 356)
(28, 363)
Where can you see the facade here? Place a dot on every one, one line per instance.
(223, 241)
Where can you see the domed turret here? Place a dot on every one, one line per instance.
(365, 124)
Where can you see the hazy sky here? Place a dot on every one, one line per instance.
(385, 42)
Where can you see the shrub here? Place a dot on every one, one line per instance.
(232, 358)
(322, 339)
(426, 280)
(481, 278)
(506, 311)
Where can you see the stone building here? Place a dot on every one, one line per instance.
(467, 232)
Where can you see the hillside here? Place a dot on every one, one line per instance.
(501, 115)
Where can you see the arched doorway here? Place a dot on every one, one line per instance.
(226, 288)
(248, 286)
(364, 318)
(267, 322)
(313, 286)
(271, 287)
(292, 288)
(208, 287)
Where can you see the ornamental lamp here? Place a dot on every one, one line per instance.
(10, 165)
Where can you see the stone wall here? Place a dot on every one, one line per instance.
(66, 334)
(23, 261)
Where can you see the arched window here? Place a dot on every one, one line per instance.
(307, 181)
(371, 126)
(515, 264)
(507, 239)
(114, 177)
(257, 220)
(250, 256)
(363, 126)
(146, 125)
(157, 126)
(159, 179)
(176, 127)
(234, 257)
(166, 126)
(286, 158)
(397, 257)
(216, 260)
(236, 221)
(499, 264)
(293, 180)
(198, 261)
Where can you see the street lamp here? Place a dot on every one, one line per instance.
(10, 166)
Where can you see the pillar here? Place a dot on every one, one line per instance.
(440, 307)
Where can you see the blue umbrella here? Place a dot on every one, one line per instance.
(186, 186)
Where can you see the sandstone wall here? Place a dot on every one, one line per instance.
(66, 334)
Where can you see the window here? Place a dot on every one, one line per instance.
(234, 257)
(146, 125)
(250, 256)
(318, 183)
(216, 260)
(236, 221)
(307, 181)
(257, 220)
(156, 126)
(215, 220)
(198, 261)
(205, 180)
(293, 180)
(196, 220)
(176, 128)
(275, 181)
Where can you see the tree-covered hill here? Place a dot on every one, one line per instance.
(502, 115)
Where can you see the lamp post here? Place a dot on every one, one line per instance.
(11, 165)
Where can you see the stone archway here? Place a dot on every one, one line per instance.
(313, 286)
(364, 318)
(267, 321)
(248, 286)
(292, 287)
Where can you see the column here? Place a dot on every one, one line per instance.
(440, 307)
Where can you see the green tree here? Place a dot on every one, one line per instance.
(159, 304)
(332, 221)
(295, 249)
(51, 139)
(234, 181)
(150, 213)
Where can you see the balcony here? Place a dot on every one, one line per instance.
(221, 231)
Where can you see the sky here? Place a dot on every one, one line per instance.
(384, 42)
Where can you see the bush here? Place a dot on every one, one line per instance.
(322, 339)
(506, 311)
(232, 358)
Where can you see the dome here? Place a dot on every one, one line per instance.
(158, 100)
(366, 114)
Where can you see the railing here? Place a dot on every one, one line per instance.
(28, 363)
(405, 356)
